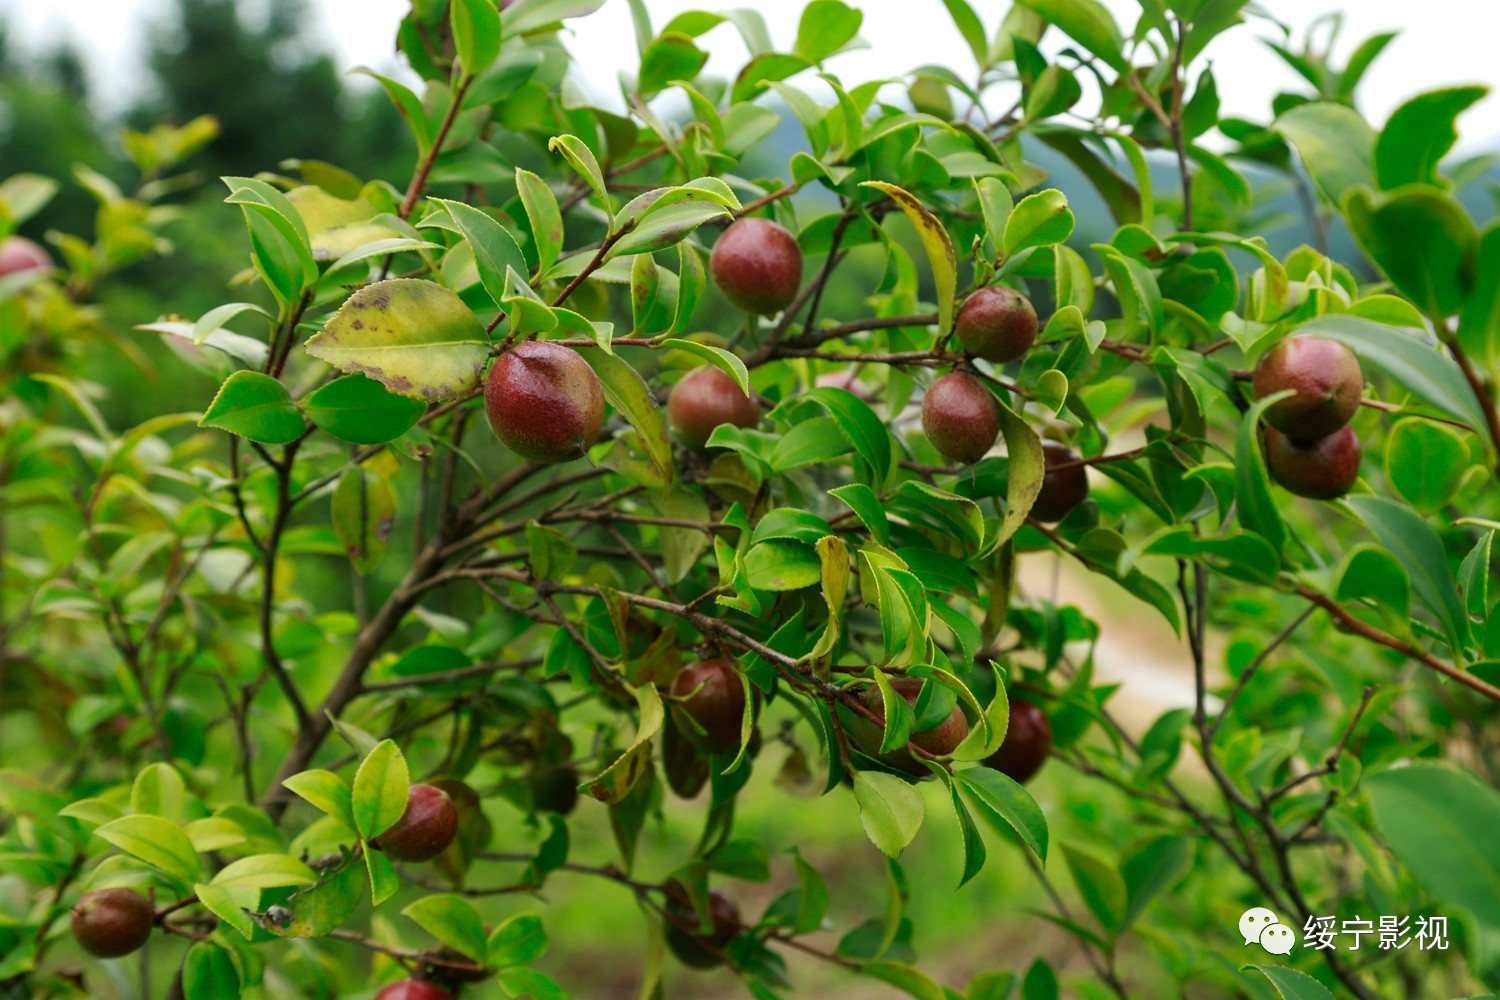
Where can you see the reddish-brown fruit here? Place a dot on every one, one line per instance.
(686, 765)
(687, 945)
(17, 253)
(705, 398)
(1324, 469)
(1062, 489)
(555, 789)
(1326, 378)
(960, 417)
(109, 923)
(1027, 743)
(997, 324)
(941, 739)
(414, 989)
(544, 402)
(425, 829)
(758, 266)
(711, 694)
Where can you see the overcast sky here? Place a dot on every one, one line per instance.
(1442, 42)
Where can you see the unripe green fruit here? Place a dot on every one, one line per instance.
(705, 398)
(1327, 380)
(711, 694)
(425, 829)
(17, 254)
(544, 402)
(758, 266)
(414, 989)
(689, 946)
(108, 923)
(1323, 469)
(997, 324)
(555, 789)
(1062, 489)
(1028, 741)
(941, 739)
(960, 417)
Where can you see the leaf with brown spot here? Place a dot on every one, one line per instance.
(415, 337)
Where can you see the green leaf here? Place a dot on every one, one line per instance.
(1101, 886)
(158, 842)
(906, 979)
(453, 921)
(495, 251)
(529, 983)
(867, 507)
(1041, 219)
(254, 406)
(519, 941)
(380, 789)
(325, 790)
(826, 27)
(726, 361)
(1370, 572)
(971, 28)
(476, 34)
(543, 213)
(833, 560)
(1087, 22)
(1426, 462)
(159, 790)
(532, 15)
(936, 242)
(616, 781)
(1404, 356)
(668, 226)
(218, 900)
(890, 809)
(1336, 144)
(1003, 801)
(383, 881)
(1422, 240)
(264, 871)
(209, 973)
(1440, 822)
(360, 410)
(1407, 536)
(995, 203)
(628, 394)
(1479, 323)
(364, 512)
(408, 105)
(781, 565)
(1252, 484)
(985, 739)
(416, 338)
(974, 853)
(1027, 467)
(582, 160)
(1291, 984)
(1419, 134)
(216, 318)
(813, 896)
(670, 57)
(897, 713)
(322, 907)
(866, 432)
(1152, 869)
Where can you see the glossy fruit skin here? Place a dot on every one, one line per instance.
(17, 254)
(940, 739)
(1326, 377)
(425, 829)
(1028, 742)
(997, 324)
(555, 789)
(1324, 469)
(758, 266)
(715, 699)
(687, 946)
(544, 402)
(705, 398)
(108, 923)
(1062, 489)
(960, 417)
(414, 989)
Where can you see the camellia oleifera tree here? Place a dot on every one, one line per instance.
(589, 471)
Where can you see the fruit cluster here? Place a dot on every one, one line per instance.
(1310, 447)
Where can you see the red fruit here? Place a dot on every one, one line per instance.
(714, 697)
(1027, 743)
(544, 402)
(109, 923)
(688, 946)
(758, 266)
(960, 417)
(414, 989)
(1062, 489)
(1324, 469)
(425, 829)
(941, 739)
(1326, 377)
(705, 398)
(997, 324)
(17, 253)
